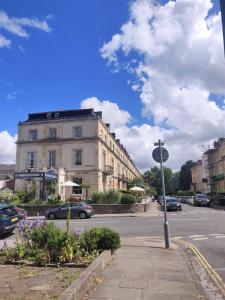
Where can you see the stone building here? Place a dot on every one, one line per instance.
(197, 177)
(216, 166)
(78, 146)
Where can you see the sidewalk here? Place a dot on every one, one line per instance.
(144, 270)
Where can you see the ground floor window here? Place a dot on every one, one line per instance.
(77, 189)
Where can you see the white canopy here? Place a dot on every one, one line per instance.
(137, 189)
(69, 183)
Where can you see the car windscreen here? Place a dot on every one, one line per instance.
(202, 196)
(7, 212)
(171, 200)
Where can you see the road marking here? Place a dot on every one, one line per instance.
(220, 237)
(215, 234)
(200, 239)
(177, 238)
(196, 236)
(212, 273)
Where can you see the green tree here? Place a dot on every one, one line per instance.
(153, 179)
(137, 181)
(185, 175)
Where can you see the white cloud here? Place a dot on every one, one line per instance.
(4, 42)
(112, 113)
(7, 147)
(17, 26)
(181, 63)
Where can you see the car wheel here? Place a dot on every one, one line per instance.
(180, 209)
(51, 216)
(82, 215)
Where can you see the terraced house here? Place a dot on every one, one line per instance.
(78, 146)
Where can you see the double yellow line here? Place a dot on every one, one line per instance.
(212, 273)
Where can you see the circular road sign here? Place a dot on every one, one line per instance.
(156, 154)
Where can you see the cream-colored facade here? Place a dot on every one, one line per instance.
(197, 174)
(216, 166)
(78, 146)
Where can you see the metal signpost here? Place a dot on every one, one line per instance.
(161, 155)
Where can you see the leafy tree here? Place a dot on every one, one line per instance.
(153, 179)
(185, 175)
(137, 181)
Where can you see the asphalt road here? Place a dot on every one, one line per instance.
(203, 227)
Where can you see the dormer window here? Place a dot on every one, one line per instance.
(49, 115)
(57, 115)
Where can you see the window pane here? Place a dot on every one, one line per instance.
(77, 160)
(32, 135)
(31, 160)
(52, 133)
(52, 159)
(77, 189)
(77, 132)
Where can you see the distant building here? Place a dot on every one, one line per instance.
(7, 176)
(216, 166)
(197, 174)
(78, 146)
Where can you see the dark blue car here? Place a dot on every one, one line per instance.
(8, 218)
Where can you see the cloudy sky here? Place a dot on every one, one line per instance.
(155, 68)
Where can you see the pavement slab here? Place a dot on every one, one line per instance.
(142, 272)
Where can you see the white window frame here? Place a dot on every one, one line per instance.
(77, 132)
(52, 159)
(50, 135)
(31, 134)
(29, 159)
(75, 162)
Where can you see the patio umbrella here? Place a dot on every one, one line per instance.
(137, 189)
(69, 183)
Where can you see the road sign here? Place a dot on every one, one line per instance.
(156, 154)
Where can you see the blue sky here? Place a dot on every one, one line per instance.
(60, 68)
(58, 64)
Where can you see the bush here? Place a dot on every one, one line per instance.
(185, 193)
(128, 199)
(99, 239)
(110, 197)
(9, 197)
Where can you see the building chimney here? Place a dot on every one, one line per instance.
(107, 125)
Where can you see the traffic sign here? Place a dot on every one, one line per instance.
(156, 154)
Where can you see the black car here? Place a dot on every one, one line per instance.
(8, 219)
(78, 210)
(173, 204)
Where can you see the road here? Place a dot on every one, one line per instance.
(203, 227)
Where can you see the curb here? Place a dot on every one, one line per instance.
(88, 278)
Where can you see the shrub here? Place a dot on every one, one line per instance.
(128, 199)
(112, 197)
(109, 197)
(99, 239)
(6, 197)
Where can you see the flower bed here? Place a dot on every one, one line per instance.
(40, 243)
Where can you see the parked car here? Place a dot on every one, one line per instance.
(8, 218)
(22, 213)
(201, 200)
(78, 210)
(173, 204)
